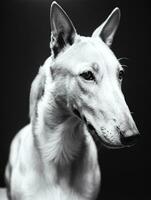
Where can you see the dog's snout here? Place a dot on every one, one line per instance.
(127, 139)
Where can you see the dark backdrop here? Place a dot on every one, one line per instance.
(25, 46)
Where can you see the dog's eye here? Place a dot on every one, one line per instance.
(121, 74)
(89, 76)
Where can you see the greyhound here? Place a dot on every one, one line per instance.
(76, 104)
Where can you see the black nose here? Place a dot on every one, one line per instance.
(129, 140)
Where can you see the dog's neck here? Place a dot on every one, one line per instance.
(61, 135)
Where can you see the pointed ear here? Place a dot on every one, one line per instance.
(108, 29)
(62, 29)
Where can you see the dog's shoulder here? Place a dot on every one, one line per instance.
(16, 144)
(21, 163)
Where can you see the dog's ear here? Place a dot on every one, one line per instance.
(62, 29)
(108, 29)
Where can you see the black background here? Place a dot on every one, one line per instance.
(25, 46)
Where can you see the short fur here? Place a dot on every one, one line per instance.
(55, 156)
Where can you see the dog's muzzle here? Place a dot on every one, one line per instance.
(97, 139)
(90, 128)
(126, 139)
(129, 140)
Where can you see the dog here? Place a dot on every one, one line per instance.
(76, 106)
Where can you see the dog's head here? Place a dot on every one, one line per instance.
(88, 78)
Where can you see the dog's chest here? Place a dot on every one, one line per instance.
(57, 193)
(63, 186)
(81, 186)
(64, 192)
(33, 179)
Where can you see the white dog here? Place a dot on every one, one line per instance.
(75, 103)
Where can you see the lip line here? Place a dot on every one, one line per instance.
(94, 133)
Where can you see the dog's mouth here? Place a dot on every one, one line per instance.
(94, 135)
(76, 113)
(97, 139)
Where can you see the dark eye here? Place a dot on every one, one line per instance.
(89, 76)
(121, 74)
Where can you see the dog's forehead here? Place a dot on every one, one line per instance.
(84, 53)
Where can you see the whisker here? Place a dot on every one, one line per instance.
(124, 65)
(122, 58)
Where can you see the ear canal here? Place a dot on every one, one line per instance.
(62, 29)
(107, 30)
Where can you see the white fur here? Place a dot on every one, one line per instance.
(55, 156)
